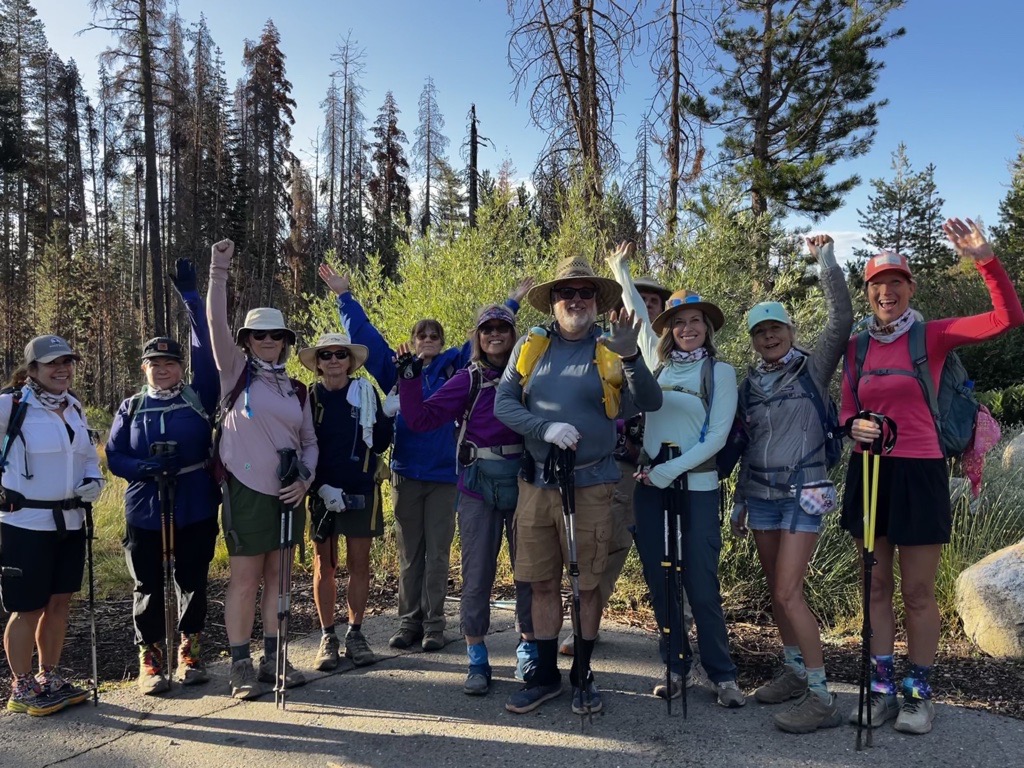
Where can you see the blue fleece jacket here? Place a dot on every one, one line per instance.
(427, 456)
(345, 460)
(196, 494)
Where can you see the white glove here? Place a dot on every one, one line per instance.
(89, 490)
(390, 405)
(334, 499)
(561, 434)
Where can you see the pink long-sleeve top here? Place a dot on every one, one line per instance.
(249, 446)
(901, 397)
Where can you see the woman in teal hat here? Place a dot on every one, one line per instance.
(783, 490)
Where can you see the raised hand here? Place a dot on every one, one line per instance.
(820, 247)
(625, 330)
(223, 251)
(968, 240)
(522, 289)
(184, 276)
(409, 366)
(338, 283)
(622, 253)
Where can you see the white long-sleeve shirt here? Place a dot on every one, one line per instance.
(633, 301)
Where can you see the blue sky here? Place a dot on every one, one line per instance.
(953, 99)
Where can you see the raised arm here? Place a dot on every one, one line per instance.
(618, 261)
(204, 369)
(228, 357)
(831, 345)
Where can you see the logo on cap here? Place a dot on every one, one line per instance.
(162, 346)
(55, 342)
(888, 258)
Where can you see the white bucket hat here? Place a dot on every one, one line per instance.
(264, 319)
(357, 352)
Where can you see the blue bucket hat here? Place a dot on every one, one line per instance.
(767, 310)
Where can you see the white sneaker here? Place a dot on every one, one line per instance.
(730, 695)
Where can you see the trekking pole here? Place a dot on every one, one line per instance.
(870, 465)
(165, 493)
(680, 501)
(563, 462)
(89, 529)
(288, 472)
(666, 564)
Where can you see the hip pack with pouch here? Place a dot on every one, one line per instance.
(496, 480)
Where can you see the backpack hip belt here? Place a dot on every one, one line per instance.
(500, 452)
(192, 468)
(12, 501)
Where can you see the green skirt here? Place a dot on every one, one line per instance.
(252, 521)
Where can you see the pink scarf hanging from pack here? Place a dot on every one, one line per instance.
(986, 435)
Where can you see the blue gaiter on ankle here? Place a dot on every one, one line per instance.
(477, 655)
(883, 678)
(915, 684)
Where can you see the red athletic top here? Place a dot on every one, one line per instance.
(901, 397)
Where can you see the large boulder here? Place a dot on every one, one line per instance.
(990, 601)
(1013, 454)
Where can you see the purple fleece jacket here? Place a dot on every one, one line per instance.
(449, 403)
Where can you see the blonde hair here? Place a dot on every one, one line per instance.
(667, 342)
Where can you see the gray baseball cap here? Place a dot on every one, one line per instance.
(46, 349)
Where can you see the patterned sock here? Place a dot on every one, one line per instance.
(915, 684)
(883, 678)
(817, 684)
(270, 646)
(355, 627)
(794, 659)
(477, 655)
(328, 630)
(240, 652)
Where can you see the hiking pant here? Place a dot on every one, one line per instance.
(702, 544)
(193, 551)
(481, 527)
(424, 527)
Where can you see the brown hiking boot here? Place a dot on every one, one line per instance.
(152, 679)
(786, 685)
(191, 669)
(809, 714)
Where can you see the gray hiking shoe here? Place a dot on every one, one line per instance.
(478, 681)
(406, 637)
(528, 698)
(884, 707)
(662, 691)
(327, 654)
(591, 704)
(292, 677)
(433, 641)
(786, 685)
(915, 716)
(358, 650)
(244, 684)
(809, 714)
(729, 694)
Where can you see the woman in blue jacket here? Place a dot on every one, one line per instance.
(424, 470)
(169, 410)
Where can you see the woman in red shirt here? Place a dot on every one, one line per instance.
(913, 511)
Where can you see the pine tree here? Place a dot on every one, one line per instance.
(389, 188)
(429, 149)
(1008, 235)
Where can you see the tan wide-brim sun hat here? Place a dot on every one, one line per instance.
(647, 284)
(264, 319)
(681, 300)
(609, 292)
(357, 353)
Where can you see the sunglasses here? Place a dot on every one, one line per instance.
(261, 335)
(428, 336)
(494, 328)
(566, 293)
(338, 354)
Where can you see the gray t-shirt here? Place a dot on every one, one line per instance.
(566, 387)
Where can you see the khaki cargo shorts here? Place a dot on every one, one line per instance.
(541, 549)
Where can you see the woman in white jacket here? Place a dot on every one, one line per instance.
(50, 470)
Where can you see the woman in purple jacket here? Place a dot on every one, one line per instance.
(489, 455)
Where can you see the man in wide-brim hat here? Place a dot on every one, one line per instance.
(562, 391)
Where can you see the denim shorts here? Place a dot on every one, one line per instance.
(777, 515)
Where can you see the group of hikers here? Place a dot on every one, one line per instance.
(570, 442)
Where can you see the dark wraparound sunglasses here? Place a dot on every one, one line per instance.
(326, 354)
(428, 336)
(567, 294)
(495, 328)
(261, 335)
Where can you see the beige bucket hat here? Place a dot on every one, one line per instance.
(264, 319)
(357, 352)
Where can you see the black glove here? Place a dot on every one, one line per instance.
(184, 277)
(409, 366)
(161, 464)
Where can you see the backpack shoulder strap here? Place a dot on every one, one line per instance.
(707, 392)
(301, 391)
(476, 385)
(863, 339)
(18, 409)
(807, 382)
(919, 359)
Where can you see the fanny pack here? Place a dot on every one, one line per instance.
(495, 480)
(818, 498)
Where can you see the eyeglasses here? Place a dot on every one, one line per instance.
(261, 335)
(428, 337)
(566, 293)
(494, 328)
(338, 354)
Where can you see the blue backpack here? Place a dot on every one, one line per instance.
(954, 408)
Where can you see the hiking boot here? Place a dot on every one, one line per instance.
(327, 654)
(526, 659)
(884, 707)
(528, 698)
(785, 685)
(54, 686)
(244, 684)
(567, 648)
(730, 695)
(152, 679)
(358, 650)
(292, 677)
(433, 640)
(661, 690)
(592, 704)
(478, 681)
(191, 669)
(915, 716)
(405, 638)
(27, 697)
(809, 714)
